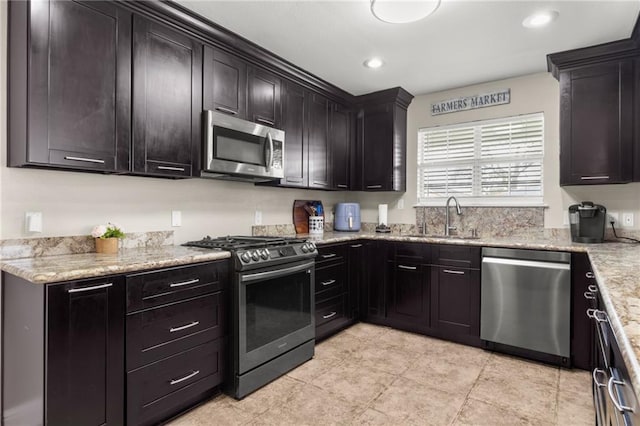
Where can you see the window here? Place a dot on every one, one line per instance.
(492, 162)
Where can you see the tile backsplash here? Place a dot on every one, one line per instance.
(51, 246)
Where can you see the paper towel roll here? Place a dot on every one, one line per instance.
(382, 214)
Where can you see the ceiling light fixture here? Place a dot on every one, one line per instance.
(540, 19)
(403, 11)
(373, 63)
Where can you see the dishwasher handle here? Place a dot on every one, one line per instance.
(526, 263)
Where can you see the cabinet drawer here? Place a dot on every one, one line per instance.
(156, 333)
(156, 390)
(331, 254)
(458, 256)
(330, 310)
(150, 289)
(330, 280)
(416, 250)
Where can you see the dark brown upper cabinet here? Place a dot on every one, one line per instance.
(596, 124)
(167, 100)
(599, 106)
(264, 98)
(69, 85)
(340, 142)
(294, 123)
(225, 83)
(319, 147)
(382, 141)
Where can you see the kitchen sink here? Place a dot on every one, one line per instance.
(448, 237)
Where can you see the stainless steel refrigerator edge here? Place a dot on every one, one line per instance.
(526, 300)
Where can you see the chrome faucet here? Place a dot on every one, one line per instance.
(448, 228)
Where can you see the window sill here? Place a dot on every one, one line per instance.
(481, 204)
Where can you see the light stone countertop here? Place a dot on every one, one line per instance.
(615, 265)
(49, 269)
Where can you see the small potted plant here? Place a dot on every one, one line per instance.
(107, 237)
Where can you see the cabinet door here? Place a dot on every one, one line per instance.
(85, 352)
(318, 142)
(294, 122)
(456, 304)
(264, 98)
(408, 295)
(377, 155)
(79, 85)
(357, 267)
(340, 147)
(167, 71)
(596, 124)
(373, 296)
(225, 83)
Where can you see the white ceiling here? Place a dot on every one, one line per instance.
(462, 43)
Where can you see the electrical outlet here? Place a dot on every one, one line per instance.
(400, 204)
(613, 217)
(565, 218)
(627, 219)
(176, 218)
(33, 221)
(257, 219)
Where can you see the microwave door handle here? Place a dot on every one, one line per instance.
(209, 138)
(269, 159)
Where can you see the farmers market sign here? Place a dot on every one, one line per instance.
(471, 102)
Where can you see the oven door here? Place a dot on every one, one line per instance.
(275, 312)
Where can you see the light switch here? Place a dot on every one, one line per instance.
(257, 219)
(176, 218)
(33, 221)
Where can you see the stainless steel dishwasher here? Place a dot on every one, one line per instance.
(526, 303)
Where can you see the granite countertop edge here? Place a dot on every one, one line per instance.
(53, 269)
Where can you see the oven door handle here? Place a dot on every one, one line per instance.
(259, 276)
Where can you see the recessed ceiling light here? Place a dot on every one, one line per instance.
(540, 19)
(373, 63)
(403, 11)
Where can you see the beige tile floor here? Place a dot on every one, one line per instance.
(376, 375)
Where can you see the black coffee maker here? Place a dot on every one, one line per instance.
(587, 222)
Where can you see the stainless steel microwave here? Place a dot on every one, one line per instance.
(241, 150)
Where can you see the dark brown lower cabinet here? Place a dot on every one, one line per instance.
(455, 304)
(63, 352)
(408, 295)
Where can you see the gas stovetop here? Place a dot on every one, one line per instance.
(255, 252)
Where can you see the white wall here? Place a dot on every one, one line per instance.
(72, 203)
(530, 93)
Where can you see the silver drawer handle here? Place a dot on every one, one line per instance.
(593, 177)
(328, 256)
(614, 399)
(594, 374)
(86, 160)
(328, 282)
(590, 275)
(593, 288)
(227, 110)
(410, 268)
(180, 284)
(95, 287)
(332, 314)
(265, 121)
(340, 185)
(449, 271)
(183, 327)
(588, 295)
(356, 246)
(187, 377)
(374, 186)
(593, 314)
(173, 169)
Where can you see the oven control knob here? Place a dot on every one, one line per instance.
(312, 247)
(305, 248)
(265, 254)
(255, 256)
(245, 257)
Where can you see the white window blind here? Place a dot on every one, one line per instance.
(493, 162)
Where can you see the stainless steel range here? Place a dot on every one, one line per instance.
(273, 324)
